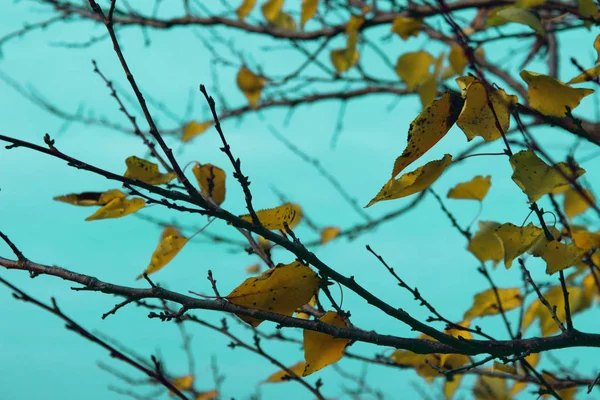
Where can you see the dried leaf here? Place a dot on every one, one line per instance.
(413, 67)
(171, 243)
(516, 240)
(320, 349)
(329, 233)
(430, 126)
(245, 9)
(251, 85)
(117, 208)
(412, 182)
(193, 129)
(275, 218)
(284, 376)
(280, 290)
(406, 27)
(91, 198)
(550, 96)
(146, 171)
(475, 189)
(211, 180)
(536, 178)
(485, 303)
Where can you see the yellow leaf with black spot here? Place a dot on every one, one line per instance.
(550, 96)
(486, 303)
(245, 9)
(284, 376)
(171, 243)
(193, 129)
(146, 171)
(280, 290)
(475, 189)
(211, 180)
(413, 67)
(574, 203)
(321, 349)
(271, 9)
(536, 178)
(412, 182)
(430, 126)
(91, 198)
(478, 119)
(275, 218)
(485, 244)
(329, 233)
(516, 240)
(308, 10)
(251, 85)
(117, 208)
(406, 27)
(559, 256)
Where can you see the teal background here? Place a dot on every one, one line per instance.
(39, 359)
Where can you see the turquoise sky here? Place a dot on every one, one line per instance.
(41, 360)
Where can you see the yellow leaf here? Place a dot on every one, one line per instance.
(475, 189)
(597, 48)
(312, 303)
(585, 76)
(274, 218)
(146, 171)
(577, 300)
(457, 59)
(271, 9)
(529, 3)
(406, 27)
(478, 119)
(284, 21)
(536, 178)
(450, 386)
(117, 208)
(280, 290)
(485, 244)
(209, 395)
(91, 198)
(456, 332)
(245, 9)
(321, 349)
(430, 126)
(354, 24)
(590, 287)
(588, 8)
(507, 368)
(413, 67)
(309, 9)
(427, 90)
(559, 256)
(550, 96)
(251, 85)
(412, 182)
(586, 240)
(574, 203)
(329, 233)
(171, 243)
(343, 60)
(184, 382)
(253, 269)
(283, 375)
(211, 180)
(522, 16)
(485, 303)
(516, 240)
(193, 129)
(490, 388)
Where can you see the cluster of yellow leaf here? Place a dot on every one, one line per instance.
(276, 218)
(114, 203)
(272, 12)
(211, 180)
(170, 244)
(251, 85)
(320, 350)
(280, 290)
(146, 171)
